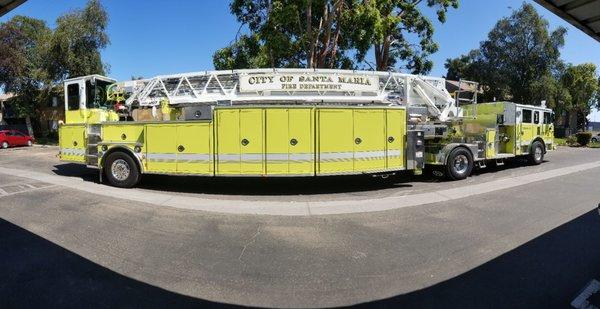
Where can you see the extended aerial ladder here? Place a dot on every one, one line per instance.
(227, 88)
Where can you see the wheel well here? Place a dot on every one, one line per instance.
(538, 139)
(463, 147)
(124, 150)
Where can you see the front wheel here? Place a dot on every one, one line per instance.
(536, 157)
(4, 145)
(459, 164)
(121, 170)
(29, 143)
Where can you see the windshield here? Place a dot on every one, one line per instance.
(96, 94)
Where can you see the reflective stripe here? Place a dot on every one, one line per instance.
(193, 157)
(290, 157)
(174, 157)
(394, 153)
(161, 157)
(252, 157)
(283, 157)
(228, 157)
(369, 155)
(359, 155)
(72, 152)
(336, 155)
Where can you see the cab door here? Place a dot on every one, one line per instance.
(525, 129)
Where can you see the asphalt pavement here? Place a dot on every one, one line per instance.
(532, 245)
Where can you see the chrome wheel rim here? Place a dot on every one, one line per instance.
(461, 164)
(538, 153)
(5, 145)
(120, 170)
(29, 143)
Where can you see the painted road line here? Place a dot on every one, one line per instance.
(297, 208)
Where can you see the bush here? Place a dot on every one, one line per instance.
(571, 140)
(583, 138)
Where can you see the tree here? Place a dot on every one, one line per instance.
(23, 51)
(77, 40)
(387, 25)
(286, 33)
(35, 59)
(326, 33)
(519, 52)
(581, 82)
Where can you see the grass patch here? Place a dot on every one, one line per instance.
(594, 145)
(560, 141)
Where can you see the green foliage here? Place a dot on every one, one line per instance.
(77, 41)
(324, 33)
(513, 62)
(583, 138)
(34, 58)
(594, 145)
(571, 140)
(388, 25)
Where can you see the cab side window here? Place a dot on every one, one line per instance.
(547, 118)
(527, 116)
(536, 117)
(73, 96)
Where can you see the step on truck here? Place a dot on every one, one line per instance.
(286, 123)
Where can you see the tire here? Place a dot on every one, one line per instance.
(29, 143)
(536, 156)
(4, 145)
(594, 140)
(460, 164)
(121, 170)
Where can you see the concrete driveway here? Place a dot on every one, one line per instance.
(518, 235)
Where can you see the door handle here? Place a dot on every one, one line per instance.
(245, 142)
(293, 142)
(358, 140)
(180, 148)
(391, 139)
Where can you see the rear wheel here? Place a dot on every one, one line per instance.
(4, 145)
(29, 143)
(536, 156)
(459, 164)
(121, 170)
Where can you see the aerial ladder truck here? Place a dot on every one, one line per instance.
(290, 123)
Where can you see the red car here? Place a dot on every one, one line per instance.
(10, 138)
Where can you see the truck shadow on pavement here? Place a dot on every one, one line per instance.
(546, 272)
(274, 186)
(37, 273)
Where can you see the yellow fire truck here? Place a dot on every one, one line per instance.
(288, 122)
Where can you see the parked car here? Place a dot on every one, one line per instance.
(596, 138)
(11, 138)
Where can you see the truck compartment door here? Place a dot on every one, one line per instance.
(194, 144)
(396, 132)
(369, 140)
(335, 141)
(161, 148)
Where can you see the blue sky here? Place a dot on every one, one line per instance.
(150, 37)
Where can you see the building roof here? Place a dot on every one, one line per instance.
(8, 5)
(583, 14)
